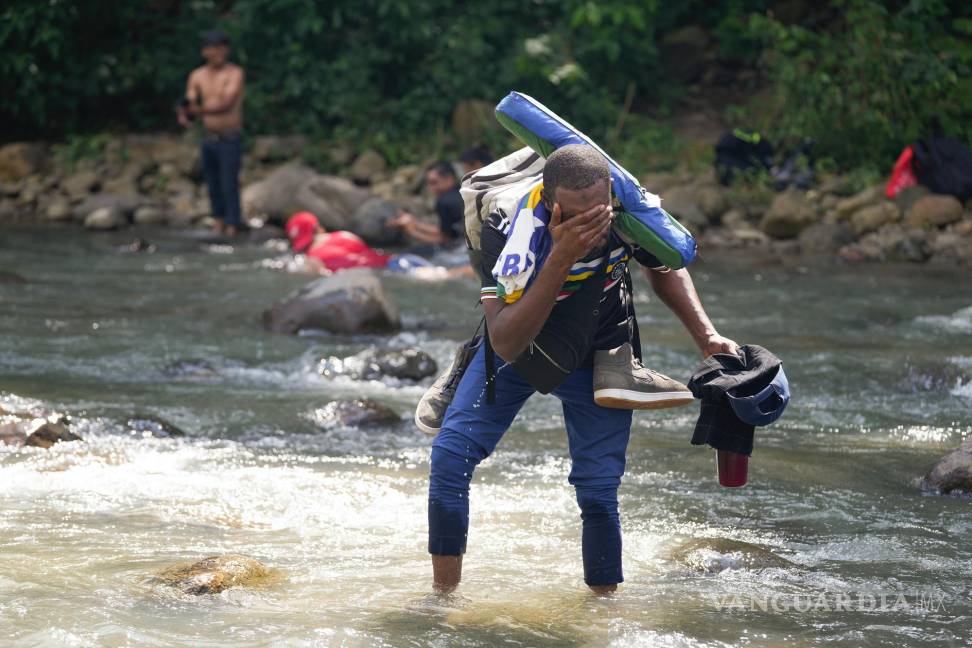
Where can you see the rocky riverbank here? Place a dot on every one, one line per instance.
(157, 179)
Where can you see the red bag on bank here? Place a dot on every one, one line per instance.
(902, 175)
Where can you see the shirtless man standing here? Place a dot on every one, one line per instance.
(214, 91)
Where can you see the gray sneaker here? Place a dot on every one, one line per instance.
(432, 408)
(622, 382)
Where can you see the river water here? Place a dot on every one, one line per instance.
(879, 361)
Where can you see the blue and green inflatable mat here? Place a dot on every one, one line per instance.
(642, 221)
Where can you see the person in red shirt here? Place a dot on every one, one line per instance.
(330, 251)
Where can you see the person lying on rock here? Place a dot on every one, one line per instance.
(340, 250)
(330, 251)
(570, 332)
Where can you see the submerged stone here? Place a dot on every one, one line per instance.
(189, 368)
(372, 364)
(13, 433)
(215, 574)
(50, 433)
(714, 555)
(355, 413)
(145, 425)
(11, 278)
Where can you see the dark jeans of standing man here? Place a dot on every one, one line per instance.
(221, 156)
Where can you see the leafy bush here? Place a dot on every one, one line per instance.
(876, 81)
(863, 77)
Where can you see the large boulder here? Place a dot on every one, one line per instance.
(788, 215)
(873, 217)
(871, 196)
(372, 364)
(21, 159)
(350, 301)
(295, 187)
(368, 166)
(953, 472)
(682, 203)
(370, 221)
(105, 218)
(358, 413)
(214, 574)
(934, 211)
(333, 200)
(274, 196)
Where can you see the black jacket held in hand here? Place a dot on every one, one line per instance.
(723, 375)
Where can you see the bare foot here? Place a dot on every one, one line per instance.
(217, 226)
(229, 230)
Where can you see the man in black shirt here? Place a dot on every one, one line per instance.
(578, 293)
(441, 180)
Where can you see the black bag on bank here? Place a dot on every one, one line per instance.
(944, 165)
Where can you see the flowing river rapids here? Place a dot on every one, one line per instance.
(833, 542)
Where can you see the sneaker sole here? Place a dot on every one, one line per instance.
(431, 431)
(627, 399)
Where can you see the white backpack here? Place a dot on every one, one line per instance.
(498, 187)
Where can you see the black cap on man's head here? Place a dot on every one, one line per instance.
(214, 37)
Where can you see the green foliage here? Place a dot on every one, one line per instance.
(861, 77)
(878, 80)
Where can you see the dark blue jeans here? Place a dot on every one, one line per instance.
(221, 163)
(596, 436)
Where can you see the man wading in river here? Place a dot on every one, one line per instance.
(561, 297)
(215, 92)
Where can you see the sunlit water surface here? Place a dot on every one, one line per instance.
(879, 361)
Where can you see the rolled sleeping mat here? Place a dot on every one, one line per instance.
(642, 221)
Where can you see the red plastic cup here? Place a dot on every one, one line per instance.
(733, 468)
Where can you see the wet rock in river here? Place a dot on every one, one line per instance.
(953, 472)
(14, 433)
(189, 368)
(351, 301)
(354, 413)
(215, 574)
(372, 364)
(714, 555)
(11, 278)
(136, 245)
(144, 425)
(50, 433)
